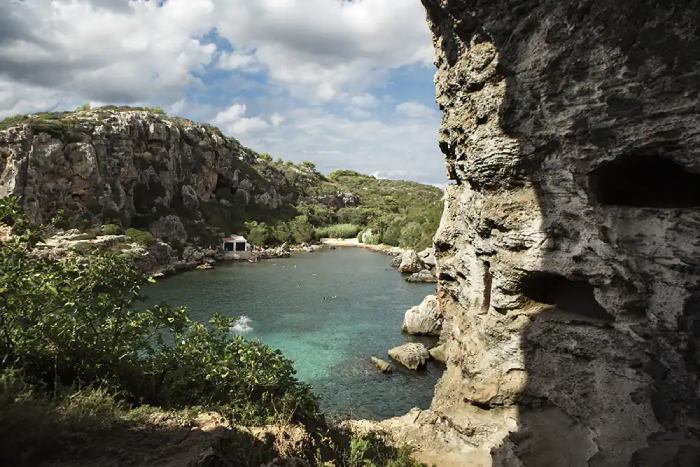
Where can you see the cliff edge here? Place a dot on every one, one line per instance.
(568, 254)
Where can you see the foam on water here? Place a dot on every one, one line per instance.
(242, 325)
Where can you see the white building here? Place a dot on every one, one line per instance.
(237, 247)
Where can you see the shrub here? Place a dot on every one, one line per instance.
(75, 321)
(258, 233)
(111, 229)
(338, 231)
(141, 237)
(301, 229)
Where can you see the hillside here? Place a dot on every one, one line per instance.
(187, 183)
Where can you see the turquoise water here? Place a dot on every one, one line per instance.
(329, 311)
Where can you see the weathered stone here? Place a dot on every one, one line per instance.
(169, 229)
(567, 253)
(412, 355)
(427, 256)
(410, 262)
(396, 261)
(383, 366)
(424, 275)
(438, 353)
(425, 318)
(135, 167)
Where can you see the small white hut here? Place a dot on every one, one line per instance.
(237, 247)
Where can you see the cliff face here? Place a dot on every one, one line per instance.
(568, 253)
(137, 168)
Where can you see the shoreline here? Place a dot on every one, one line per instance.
(381, 248)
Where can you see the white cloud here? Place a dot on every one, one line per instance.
(237, 60)
(400, 148)
(328, 49)
(415, 110)
(276, 119)
(234, 122)
(133, 51)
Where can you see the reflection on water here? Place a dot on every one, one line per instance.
(328, 311)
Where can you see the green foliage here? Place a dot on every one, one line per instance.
(84, 108)
(301, 229)
(14, 217)
(141, 237)
(60, 219)
(281, 233)
(110, 229)
(338, 231)
(371, 450)
(76, 322)
(155, 110)
(258, 233)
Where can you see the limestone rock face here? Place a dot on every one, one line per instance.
(411, 355)
(139, 169)
(424, 318)
(568, 252)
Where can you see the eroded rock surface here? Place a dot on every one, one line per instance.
(568, 252)
(412, 355)
(176, 178)
(424, 318)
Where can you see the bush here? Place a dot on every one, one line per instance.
(338, 231)
(76, 322)
(258, 233)
(140, 236)
(301, 229)
(111, 229)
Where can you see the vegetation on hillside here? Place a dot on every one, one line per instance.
(77, 352)
(393, 212)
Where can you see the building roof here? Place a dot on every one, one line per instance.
(235, 238)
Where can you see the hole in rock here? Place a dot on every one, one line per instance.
(645, 181)
(567, 295)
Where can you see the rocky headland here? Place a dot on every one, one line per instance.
(567, 255)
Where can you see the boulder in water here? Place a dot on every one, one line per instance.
(412, 355)
(383, 366)
(410, 262)
(425, 318)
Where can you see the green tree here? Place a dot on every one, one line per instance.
(301, 229)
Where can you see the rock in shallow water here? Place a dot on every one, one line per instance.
(412, 355)
(424, 318)
(423, 275)
(410, 262)
(383, 366)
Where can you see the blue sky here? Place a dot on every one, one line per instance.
(345, 84)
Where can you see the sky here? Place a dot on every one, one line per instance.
(342, 83)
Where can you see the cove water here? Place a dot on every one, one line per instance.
(329, 311)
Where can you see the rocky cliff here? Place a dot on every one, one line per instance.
(568, 253)
(140, 168)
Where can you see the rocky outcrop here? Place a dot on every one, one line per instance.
(567, 253)
(410, 262)
(178, 179)
(383, 366)
(412, 355)
(424, 275)
(425, 318)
